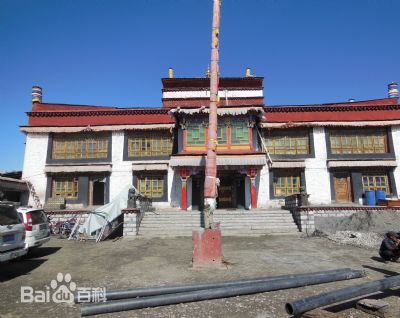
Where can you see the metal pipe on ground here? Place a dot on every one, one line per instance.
(309, 303)
(231, 291)
(162, 290)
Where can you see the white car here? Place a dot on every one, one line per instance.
(12, 233)
(36, 226)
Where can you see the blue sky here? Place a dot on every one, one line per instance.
(114, 52)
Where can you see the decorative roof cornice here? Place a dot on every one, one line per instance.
(98, 112)
(326, 108)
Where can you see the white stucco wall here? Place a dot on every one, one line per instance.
(262, 183)
(34, 164)
(396, 146)
(121, 173)
(316, 171)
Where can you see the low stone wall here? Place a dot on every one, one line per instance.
(62, 216)
(129, 224)
(306, 218)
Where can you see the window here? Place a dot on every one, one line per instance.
(376, 181)
(288, 144)
(148, 145)
(79, 147)
(195, 134)
(359, 142)
(151, 186)
(286, 183)
(222, 135)
(239, 133)
(66, 187)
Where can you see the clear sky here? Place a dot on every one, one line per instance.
(114, 52)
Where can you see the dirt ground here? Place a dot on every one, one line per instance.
(145, 262)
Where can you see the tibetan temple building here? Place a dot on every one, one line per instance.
(334, 151)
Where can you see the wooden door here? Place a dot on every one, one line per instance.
(343, 187)
(225, 193)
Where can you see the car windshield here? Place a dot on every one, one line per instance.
(8, 215)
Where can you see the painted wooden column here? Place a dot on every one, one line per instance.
(184, 173)
(253, 189)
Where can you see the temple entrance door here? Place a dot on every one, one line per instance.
(197, 192)
(343, 187)
(240, 192)
(225, 198)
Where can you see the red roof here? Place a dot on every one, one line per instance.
(44, 114)
(378, 109)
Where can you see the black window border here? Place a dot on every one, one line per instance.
(388, 155)
(126, 156)
(108, 159)
(136, 176)
(271, 180)
(282, 132)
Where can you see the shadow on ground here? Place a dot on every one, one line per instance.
(42, 251)
(381, 270)
(14, 269)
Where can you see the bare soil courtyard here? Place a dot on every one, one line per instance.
(129, 263)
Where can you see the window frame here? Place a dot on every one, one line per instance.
(74, 180)
(279, 173)
(80, 152)
(365, 176)
(360, 137)
(291, 135)
(166, 145)
(162, 179)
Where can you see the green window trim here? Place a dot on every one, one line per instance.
(195, 134)
(222, 134)
(239, 133)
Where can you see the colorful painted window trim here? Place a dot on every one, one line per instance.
(151, 186)
(286, 183)
(289, 144)
(195, 134)
(359, 142)
(80, 147)
(239, 133)
(222, 135)
(149, 145)
(66, 187)
(376, 181)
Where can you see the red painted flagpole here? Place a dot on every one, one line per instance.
(210, 184)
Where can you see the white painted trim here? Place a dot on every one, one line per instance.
(78, 168)
(288, 164)
(221, 93)
(359, 163)
(71, 129)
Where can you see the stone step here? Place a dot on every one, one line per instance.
(225, 233)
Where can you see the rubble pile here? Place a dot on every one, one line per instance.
(359, 239)
(363, 229)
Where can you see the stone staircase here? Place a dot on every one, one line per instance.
(170, 223)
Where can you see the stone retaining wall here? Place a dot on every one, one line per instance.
(305, 216)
